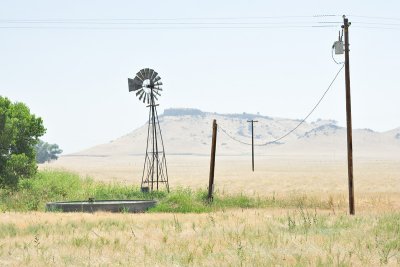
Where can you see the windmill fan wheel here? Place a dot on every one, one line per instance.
(147, 85)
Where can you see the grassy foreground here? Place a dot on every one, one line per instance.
(244, 237)
(184, 230)
(32, 195)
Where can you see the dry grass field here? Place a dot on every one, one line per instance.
(285, 236)
(246, 237)
(320, 174)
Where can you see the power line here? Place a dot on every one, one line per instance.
(189, 20)
(230, 136)
(190, 27)
(189, 23)
(297, 126)
(245, 22)
(256, 22)
(375, 23)
(166, 19)
(377, 27)
(374, 17)
(171, 23)
(168, 27)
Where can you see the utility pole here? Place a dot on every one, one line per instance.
(252, 142)
(212, 162)
(345, 27)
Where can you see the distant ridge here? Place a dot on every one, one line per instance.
(198, 112)
(183, 112)
(187, 131)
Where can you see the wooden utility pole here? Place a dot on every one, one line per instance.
(212, 162)
(345, 27)
(252, 142)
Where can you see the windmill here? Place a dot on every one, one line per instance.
(147, 86)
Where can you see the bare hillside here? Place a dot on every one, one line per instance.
(188, 132)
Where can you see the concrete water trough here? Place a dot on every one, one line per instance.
(101, 205)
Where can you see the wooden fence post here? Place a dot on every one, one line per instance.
(212, 162)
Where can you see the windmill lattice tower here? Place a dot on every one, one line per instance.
(147, 86)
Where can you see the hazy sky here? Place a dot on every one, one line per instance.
(76, 79)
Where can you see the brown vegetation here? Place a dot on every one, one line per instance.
(254, 237)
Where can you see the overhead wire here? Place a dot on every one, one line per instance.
(297, 126)
(92, 25)
(164, 19)
(239, 22)
(375, 17)
(230, 136)
(175, 23)
(376, 27)
(211, 20)
(256, 22)
(167, 27)
(376, 23)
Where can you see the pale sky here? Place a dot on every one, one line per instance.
(75, 78)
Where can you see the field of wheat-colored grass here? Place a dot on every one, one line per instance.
(282, 174)
(236, 237)
(318, 232)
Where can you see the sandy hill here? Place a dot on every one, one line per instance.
(188, 132)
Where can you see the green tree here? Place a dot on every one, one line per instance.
(19, 133)
(46, 152)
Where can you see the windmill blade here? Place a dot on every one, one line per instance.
(146, 73)
(156, 93)
(143, 74)
(158, 83)
(148, 100)
(141, 95)
(140, 76)
(150, 73)
(138, 92)
(134, 84)
(155, 97)
(156, 79)
(158, 88)
(145, 96)
(153, 76)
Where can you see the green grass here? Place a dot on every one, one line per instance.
(32, 194)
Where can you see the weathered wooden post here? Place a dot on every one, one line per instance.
(345, 26)
(212, 162)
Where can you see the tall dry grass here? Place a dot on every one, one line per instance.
(240, 237)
